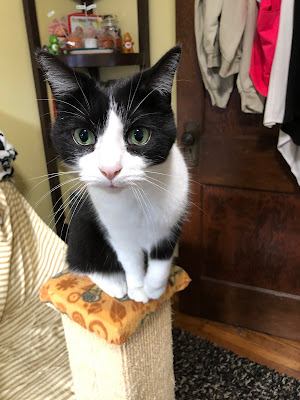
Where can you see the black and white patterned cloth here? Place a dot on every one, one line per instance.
(7, 156)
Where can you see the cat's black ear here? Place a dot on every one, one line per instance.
(60, 77)
(160, 77)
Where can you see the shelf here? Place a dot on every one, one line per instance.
(102, 60)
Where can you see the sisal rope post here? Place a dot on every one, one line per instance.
(139, 369)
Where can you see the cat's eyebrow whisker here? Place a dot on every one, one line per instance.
(75, 98)
(86, 100)
(70, 112)
(141, 116)
(136, 88)
(65, 102)
(127, 108)
(140, 103)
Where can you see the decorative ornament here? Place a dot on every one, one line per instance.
(127, 43)
(53, 46)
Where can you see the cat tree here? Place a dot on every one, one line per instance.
(118, 349)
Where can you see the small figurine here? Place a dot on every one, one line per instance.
(53, 46)
(128, 44)
(59, 27)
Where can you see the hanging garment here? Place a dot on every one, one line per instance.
(290, 152)
(251, 100)
(218, 88)
(289, 136)
(275, 104)
(224, 48)
(264, 44)
(232, 26)
(291, 122)
(211, 25)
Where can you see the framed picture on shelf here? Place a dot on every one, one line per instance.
(83, 21)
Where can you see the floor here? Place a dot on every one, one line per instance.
(276, 353)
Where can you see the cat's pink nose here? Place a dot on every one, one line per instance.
(111, 172)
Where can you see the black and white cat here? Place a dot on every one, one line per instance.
(121, 138)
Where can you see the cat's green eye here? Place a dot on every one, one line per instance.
(138, 136)
(83, 136)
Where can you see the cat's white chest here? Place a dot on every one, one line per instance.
(131, 218)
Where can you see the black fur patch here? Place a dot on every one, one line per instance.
(165, 248)
(88, 247)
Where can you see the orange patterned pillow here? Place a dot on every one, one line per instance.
(112, 319)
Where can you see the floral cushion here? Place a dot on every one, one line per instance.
(112, 319)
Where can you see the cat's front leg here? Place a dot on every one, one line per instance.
(114, 284)
(159, 265)
(133, 265)
(157, 277)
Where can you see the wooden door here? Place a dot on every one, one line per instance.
(243, 250)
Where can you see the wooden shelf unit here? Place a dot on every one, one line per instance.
(102, 60)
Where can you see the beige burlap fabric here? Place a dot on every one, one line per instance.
(33, 355)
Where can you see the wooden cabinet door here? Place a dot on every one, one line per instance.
(241, 245)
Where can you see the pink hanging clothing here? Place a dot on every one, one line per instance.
(264, 44)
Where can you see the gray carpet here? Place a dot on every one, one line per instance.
(204, 371)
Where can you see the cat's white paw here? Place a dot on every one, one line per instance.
(113, 284)
(154, 292)
(138, 294)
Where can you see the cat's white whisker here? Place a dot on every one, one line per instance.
(138, 84)
(142, 101)
(52, 190)
(62, 206)
(136, 193)
(86, 100)
(71, 113)
(173, 194)
(150, 214)
(51, 175)
(65, 102)
(82, 191)
(141, 116)
(128, 100)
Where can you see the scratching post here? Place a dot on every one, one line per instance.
(118, 349)
(139, 369)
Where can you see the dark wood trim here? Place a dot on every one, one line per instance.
(228, 302)
(43, 106)
(277, 353)
(144, 44)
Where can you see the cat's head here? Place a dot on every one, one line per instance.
(112, 132)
